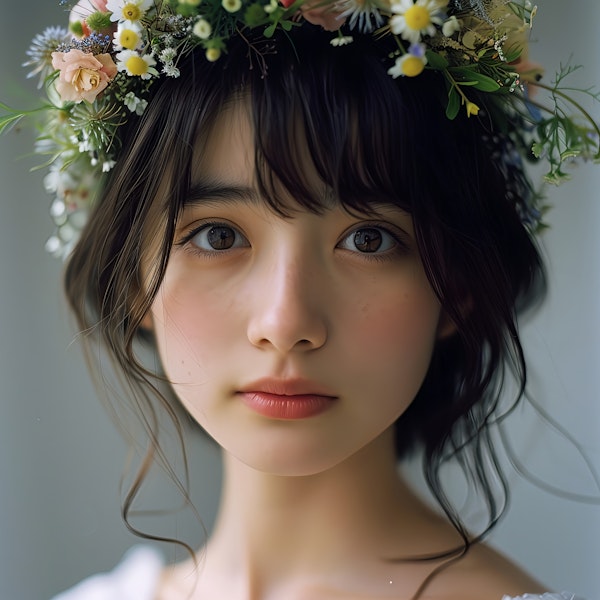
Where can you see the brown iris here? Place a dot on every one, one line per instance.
(221, 238)
(368, 240)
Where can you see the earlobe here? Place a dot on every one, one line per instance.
(446, 326)
(147, 323)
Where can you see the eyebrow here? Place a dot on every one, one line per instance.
(204, 191)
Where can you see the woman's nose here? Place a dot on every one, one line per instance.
(288, 307)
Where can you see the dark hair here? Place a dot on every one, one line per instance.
(370, 137)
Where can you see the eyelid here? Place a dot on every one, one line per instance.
(401, 236)
(198, 226)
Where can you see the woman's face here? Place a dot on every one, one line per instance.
(294, 342)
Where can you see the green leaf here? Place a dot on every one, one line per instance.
(482, 82)
(270, 30)
(453, 104)
(571, 153)
(9, 121)
(436, 61)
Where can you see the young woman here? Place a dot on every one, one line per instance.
(328, 246)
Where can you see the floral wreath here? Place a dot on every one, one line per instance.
(100, 71)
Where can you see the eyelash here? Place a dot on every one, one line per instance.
(185, 242)
(401, 247)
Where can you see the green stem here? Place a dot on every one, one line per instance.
(455, 85)
(557, 92)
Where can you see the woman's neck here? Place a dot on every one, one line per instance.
(274, 530)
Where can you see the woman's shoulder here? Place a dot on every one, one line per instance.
(486, 574)
(136, 577)
(548, 596)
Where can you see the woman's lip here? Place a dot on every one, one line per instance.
(287, 387)
(286, 406)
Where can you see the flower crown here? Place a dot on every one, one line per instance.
(100, 71)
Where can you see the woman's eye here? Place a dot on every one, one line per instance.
(213, 237)
(369, 240)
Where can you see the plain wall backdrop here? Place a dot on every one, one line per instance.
(61, 459)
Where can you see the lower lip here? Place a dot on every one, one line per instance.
(276, 406)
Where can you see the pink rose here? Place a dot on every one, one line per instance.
(100, 5)
(83, 75)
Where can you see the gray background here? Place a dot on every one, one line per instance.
(60, 458)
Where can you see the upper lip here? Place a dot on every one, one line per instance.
(287, 387)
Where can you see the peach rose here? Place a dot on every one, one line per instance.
(326, 15)
(320, 12)
(83, 75)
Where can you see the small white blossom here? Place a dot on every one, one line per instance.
(202, 29)
(342, 40)
(135, 104)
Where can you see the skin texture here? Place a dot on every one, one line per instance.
(311, 507)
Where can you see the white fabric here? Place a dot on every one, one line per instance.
(136, 578)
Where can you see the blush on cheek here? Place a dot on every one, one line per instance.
(395, 337)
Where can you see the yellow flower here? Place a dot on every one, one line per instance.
(472, 109)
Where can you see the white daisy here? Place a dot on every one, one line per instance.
(411, 20)
(128, 12)
(127, 37)
(136, 65)
(410, 64)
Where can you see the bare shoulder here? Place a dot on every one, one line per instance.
(483, 574)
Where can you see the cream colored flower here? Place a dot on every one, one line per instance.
(451, 26)
(231, 5)
(202, 29)
(411, 20)
(213, 54)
